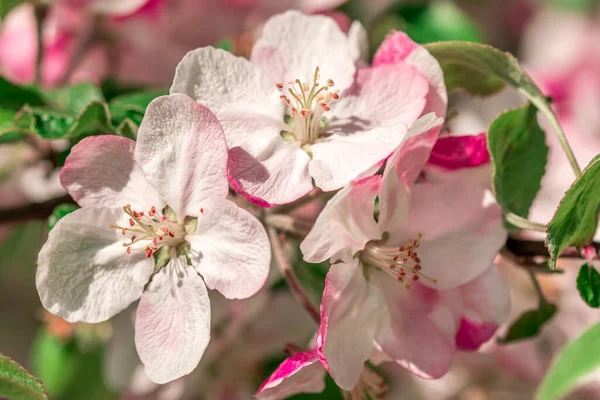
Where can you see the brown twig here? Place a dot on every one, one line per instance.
(32, 211)
(290, 277)
(537, 248)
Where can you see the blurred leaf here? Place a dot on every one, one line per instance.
(529, 323)
(577, 360)
(54, 362)
(73, 98)
(519, 155)
(137, 101)
(588, 284)
(574, 5)
(51, 125)
(225, 44)
(439, 21)
(331, 392)
(9, 132)
(576, 218)
(16, 383)
(127, 129)
(13, 97)
(59, 212)
(311, 276)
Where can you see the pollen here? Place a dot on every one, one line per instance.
(401, 263)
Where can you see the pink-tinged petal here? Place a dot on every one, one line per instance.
(230, 249)
(315, 6)
(457, 152)
(293, 44)
(486, 305)
(345, 225)
(460, 158)
(351, 309)
(101, 171)
(462, 230)
(384, 95)
(300, 373)
(172, 326)
(242, 96)
(342, 157)
(277, 174)
(398, 48)
(403, 167)
(420, 331)
(182, 151)
(84, 273)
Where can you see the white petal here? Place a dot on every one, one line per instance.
(172, 327)
(118, 7)
(84, 273)
(358, 36)
(350, 315)
(292, 45)
(230, 250)
(345, 225)
(341, 158)
(182, 150)
(101, 171)
(242, 96)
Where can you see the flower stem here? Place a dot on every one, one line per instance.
(524, 223)
(290, 277)
(538, 288)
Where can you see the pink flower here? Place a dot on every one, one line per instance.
(437, 236)
(301, 110)
(62, 29)
(161, 197)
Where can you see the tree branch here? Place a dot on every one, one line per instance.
(33, 211)
(536, 248)
(290, 277)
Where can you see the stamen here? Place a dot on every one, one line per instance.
(307, 104)
(395, 261)
(152, 228)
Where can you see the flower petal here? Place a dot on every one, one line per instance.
(345, 225)
(101, 171)
(293, 44)
(350, 312)
(462, 230)
(84, 273)
(486, 303)
(419, 334)
(230, 250)
(403, 168)
(182, 150)
(398, 48)
(300, 373)
(275, 174)
(341, 158)
(118, 7)
(242, 96)
(359, 37)
(380, 96)
(172, 326)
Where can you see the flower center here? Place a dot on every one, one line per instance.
(398, 262)
(370, 386)
(306, 106)
(150, 231)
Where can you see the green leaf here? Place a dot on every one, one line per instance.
(225, 44)
(472, 81)
(73, 98)
(16, 383)
(59, 212)
(14, 97)
(7, 5)
(439, 21)
(137, 101)
(588, 284)
(9, 132)
(519, 153)
(577, 360)
(51, 125)
(54, 362)
(576, 218)
(529, 323)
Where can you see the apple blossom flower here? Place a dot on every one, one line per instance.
(155, 226)
(437, 237)
(301, 110)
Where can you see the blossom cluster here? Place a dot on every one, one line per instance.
(410, 229)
